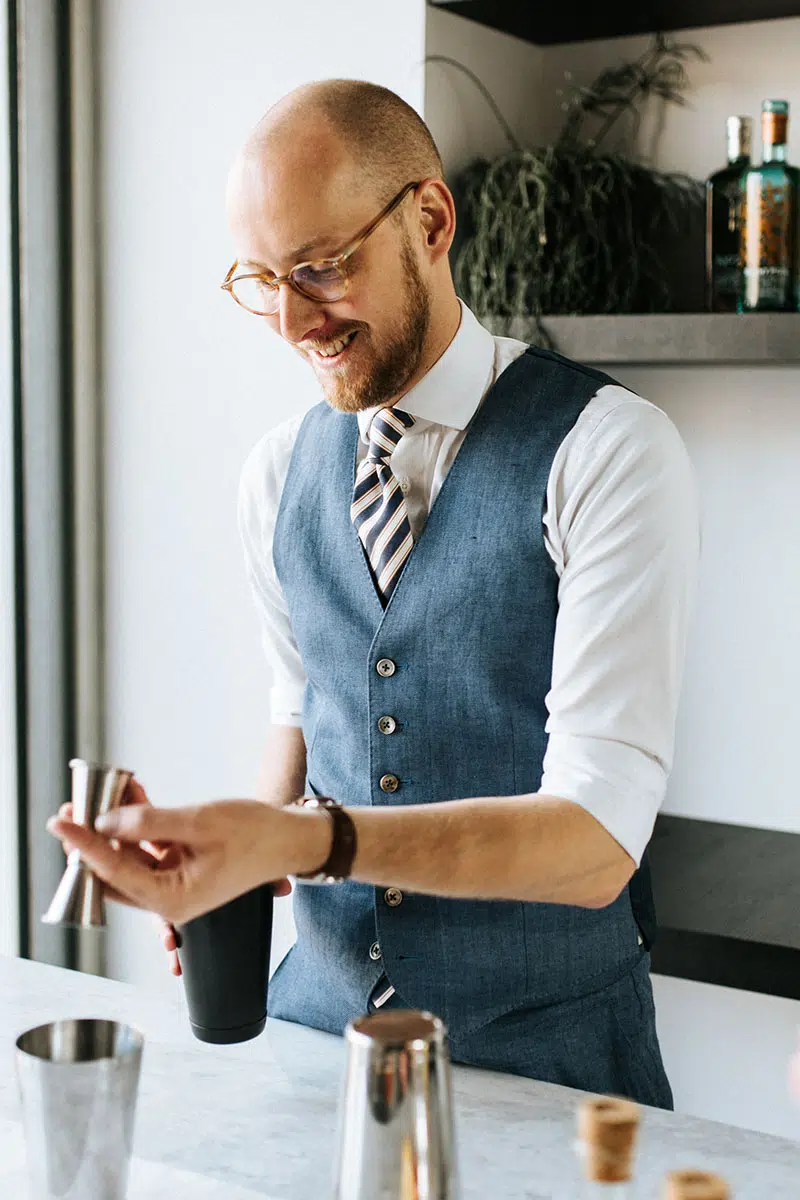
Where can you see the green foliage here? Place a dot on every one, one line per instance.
(568, 229)
(565, 230)
(618, 91)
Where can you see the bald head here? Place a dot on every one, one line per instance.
(352, 127)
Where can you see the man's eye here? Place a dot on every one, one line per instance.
(320, 275)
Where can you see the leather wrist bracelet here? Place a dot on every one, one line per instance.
(339, 863)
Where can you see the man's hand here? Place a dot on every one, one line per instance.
(214, 852)
(135, 794)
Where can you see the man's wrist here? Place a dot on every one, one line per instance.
(312, 838)
(337, 866)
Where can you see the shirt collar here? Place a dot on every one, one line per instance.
(452, 390)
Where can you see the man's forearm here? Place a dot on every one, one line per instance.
(283, 767)
(533, 848)
(528, 847)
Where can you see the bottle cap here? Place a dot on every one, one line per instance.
(695, 1185)
(607, 1128)
(740, 137)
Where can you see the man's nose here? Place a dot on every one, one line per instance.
(297, 315)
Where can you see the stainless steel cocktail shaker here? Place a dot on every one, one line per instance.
(78, 1084)
(395, 1138)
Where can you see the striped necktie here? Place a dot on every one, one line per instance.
(379, 509)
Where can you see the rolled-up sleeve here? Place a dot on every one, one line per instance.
(260, 488)
(622, 526)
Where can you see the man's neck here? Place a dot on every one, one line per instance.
(443, 328)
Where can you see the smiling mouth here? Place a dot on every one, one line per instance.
(334, 352)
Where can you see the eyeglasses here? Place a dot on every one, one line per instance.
(323, 280)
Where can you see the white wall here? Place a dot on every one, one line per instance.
(747, 64)
(725, 1050)
(460, 118)
(191, 382)
(738, 721)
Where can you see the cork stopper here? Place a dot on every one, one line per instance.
(695, 1185)
(607, 1128)
(774, 122)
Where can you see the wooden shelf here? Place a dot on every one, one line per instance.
(550, 24)
(727, 899)
(670, 338)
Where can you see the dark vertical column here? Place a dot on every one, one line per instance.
(18, 604)
(41, 139)
(88, 459)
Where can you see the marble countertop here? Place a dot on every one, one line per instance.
(257, 1121)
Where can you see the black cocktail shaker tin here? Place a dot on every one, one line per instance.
(224, 957)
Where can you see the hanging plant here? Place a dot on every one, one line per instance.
(575, 228)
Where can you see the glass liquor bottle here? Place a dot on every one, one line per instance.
(769, 221)
(723, 224)
(695, 1185)
(607, 1131)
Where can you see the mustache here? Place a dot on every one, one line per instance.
(316, 344)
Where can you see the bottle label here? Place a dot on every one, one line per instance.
(766, 243)
(775, 223)
(727, 276)
(769, 285)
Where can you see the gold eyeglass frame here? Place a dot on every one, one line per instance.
(338, 262)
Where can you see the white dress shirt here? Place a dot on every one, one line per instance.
(621, 527)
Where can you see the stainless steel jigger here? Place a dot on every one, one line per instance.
(78, 900)
(395, 1120)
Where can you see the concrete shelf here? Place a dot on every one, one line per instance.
(666, 338)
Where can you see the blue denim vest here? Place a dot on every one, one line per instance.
(469, 629)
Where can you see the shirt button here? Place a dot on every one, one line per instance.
(387, 724)
(375, 951)
(389, 783)
(393, 897)
(404, 486)
(385, 667)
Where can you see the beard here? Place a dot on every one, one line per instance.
(391, 368)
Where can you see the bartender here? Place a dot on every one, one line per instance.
(473, 562)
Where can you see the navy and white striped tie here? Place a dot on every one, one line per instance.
(379, 509)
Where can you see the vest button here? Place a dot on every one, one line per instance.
(389, 783)
(385, 667)
(375, 951)
(393, 897)
(387, 724)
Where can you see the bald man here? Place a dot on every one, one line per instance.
(473, 562)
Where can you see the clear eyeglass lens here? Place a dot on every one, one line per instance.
(255, 294)
(320, 281)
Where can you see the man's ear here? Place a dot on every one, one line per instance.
(437, 216)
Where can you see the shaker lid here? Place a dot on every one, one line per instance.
(397, 1027)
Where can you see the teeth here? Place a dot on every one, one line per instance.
(335, 347)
